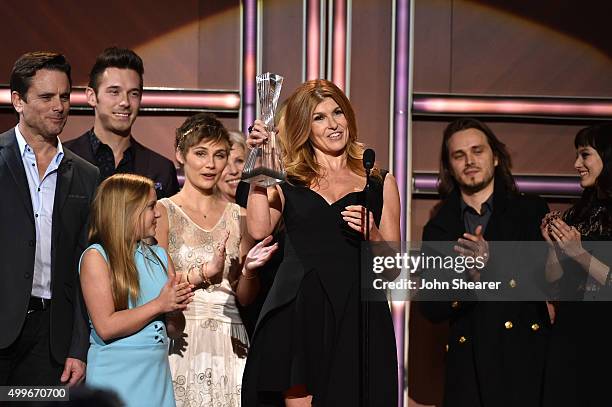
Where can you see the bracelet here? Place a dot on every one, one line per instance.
(608, 281)
(203, 275)
(246, 277)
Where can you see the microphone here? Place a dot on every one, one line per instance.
(368, 159)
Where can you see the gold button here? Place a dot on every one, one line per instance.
(455, 304)
(446, 347)
(508, 325)
(512, 283)
(462, 339)
(535, 327)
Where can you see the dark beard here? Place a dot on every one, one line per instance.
(472, 189)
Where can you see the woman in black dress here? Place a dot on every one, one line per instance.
(579, 267)
(305, 346)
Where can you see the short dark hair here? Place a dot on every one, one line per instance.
(201, 126)
(504, 162)
(115, 57)
(28, 64)
(599, 137)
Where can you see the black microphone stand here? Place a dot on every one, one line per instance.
(364, 351)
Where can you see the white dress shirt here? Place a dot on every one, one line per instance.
(42, 193)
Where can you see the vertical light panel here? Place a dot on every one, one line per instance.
(337, 51)
(326, 39)
(401, 92)
(349, 41)
(312, 39)
(400, 106)
(249, 62)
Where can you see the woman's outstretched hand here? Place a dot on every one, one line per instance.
(259, 255)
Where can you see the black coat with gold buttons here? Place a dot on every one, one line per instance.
(496, 350)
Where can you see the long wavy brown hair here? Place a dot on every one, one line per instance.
(299, 157)
(115, 219)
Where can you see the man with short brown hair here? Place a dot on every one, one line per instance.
(44, 214)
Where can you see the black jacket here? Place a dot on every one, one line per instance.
(496, 350)
(146, 162)
(76, 184)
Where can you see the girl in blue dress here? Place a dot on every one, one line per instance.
(133, 297)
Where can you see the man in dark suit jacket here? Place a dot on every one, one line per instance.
(496, 350)
(115, 93)
(46, 192)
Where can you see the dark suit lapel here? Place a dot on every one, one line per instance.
(62, 188)
(10, 153)
(450, 218)
(495, 227)
(502, 226)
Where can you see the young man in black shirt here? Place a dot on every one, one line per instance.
(115, 93)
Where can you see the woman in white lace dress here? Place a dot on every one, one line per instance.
(207, 240)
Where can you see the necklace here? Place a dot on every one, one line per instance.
(203, 215)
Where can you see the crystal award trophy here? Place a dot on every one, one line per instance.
(264, 166)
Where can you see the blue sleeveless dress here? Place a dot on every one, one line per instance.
(135, 366)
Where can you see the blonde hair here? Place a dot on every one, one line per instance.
(115, 219)
(295, 128)
(237, 140)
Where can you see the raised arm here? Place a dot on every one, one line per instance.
(264, 210)
(265, 205)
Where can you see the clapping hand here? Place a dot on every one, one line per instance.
(546, 226)
(567, 238)
(202, 273)
(217, 263)
(259, 255)
(174, 295)
(473, 245)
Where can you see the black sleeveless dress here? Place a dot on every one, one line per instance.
(307, 332)
(579, 351)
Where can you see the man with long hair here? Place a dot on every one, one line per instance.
(496, 350)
